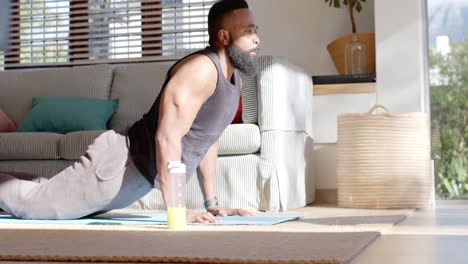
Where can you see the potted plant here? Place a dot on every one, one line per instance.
(337, 47)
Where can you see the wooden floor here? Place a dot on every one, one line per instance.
(425, 237)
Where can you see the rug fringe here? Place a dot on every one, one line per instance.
(195, 260)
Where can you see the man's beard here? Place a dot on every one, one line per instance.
(242, 60)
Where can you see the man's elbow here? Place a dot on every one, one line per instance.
(161, 138)
(167, 139)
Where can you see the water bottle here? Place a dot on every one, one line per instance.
(176, 189)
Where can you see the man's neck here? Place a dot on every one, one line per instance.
(226, 65)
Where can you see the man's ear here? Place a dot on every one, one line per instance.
(224, 37)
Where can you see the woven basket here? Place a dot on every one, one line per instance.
(383, 160)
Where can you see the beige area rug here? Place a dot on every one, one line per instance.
(356, 220)
(310, 240)
(181, 247)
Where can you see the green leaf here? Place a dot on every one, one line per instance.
(337, 3)
(358, 7)
(448, 186)
(455, 188)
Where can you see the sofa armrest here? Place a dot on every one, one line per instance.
(284, 96)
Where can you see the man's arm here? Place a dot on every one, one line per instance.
(192, 83)
(207, 169)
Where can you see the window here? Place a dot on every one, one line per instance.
(114, 30)
(69, 32)
(43, 32)
(448, 48)
(184, 27)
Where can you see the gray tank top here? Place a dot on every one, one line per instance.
(214, 116)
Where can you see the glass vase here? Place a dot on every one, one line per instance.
(355, 56)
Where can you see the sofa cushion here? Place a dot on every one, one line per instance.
(23, 146)
(239, 139)
(73, 145)
(137, 86)
(68, 114)
(17, 88)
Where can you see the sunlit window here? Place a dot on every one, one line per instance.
(184, 26)
(43, 31)
(62, 32)
(448, 25)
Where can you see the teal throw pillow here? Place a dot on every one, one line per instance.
(67, 114)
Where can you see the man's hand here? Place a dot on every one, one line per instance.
(222, 211)
(207, 217)
(203, 217)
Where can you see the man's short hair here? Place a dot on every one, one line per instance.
(218, 10)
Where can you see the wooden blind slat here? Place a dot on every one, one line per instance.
(44, 33)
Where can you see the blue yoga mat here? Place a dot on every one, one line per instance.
(154, 219)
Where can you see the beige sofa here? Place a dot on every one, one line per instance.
(264, 163)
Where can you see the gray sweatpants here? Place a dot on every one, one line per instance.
(105, 178)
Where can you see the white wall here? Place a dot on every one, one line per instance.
(301, 30)
(401, 55)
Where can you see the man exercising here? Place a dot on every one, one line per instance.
(197, 102)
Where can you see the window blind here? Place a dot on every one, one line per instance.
(73, 32)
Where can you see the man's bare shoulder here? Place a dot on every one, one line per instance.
(197, 66)
(196, 74)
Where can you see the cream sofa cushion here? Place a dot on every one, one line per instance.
(239, 139)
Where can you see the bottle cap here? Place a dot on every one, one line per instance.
(176, 167)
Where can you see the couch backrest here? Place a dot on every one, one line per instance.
(17, 88)
(136, 86)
